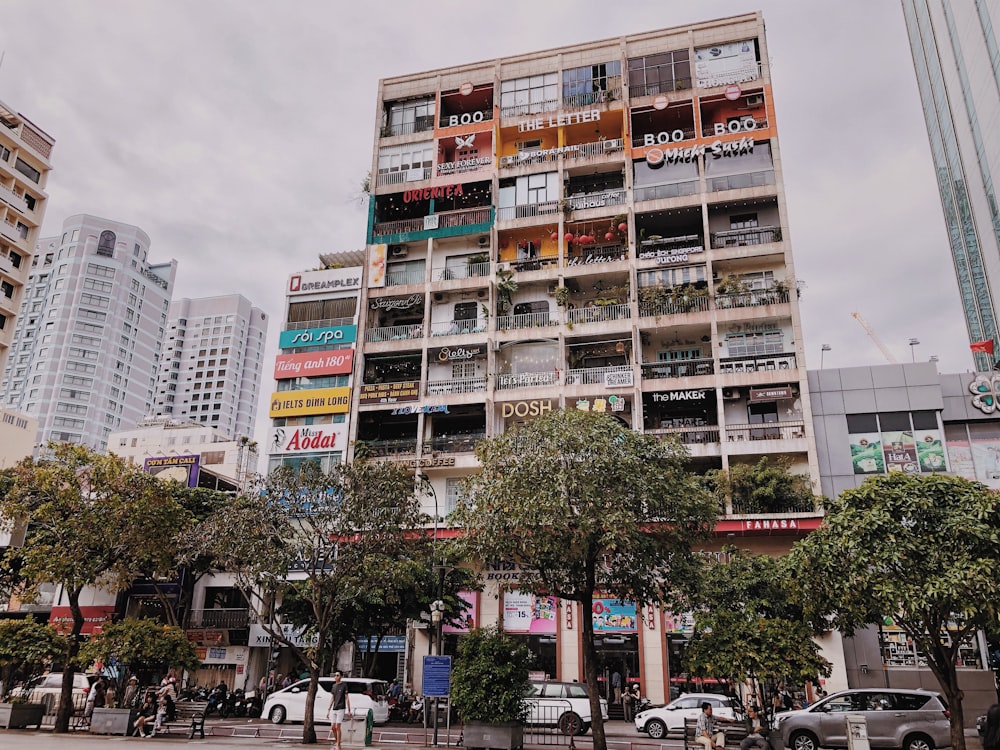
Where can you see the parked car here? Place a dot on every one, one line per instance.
(289, 704)
(907, 719)
(563, 705)
(47, 688)
(660, 721)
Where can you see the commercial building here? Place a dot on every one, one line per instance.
(212, 363)
(955, 50)
(603, 227)
(17, 436)
(90, 332)
(25, 151)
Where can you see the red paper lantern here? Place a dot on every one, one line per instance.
(568, 237)
(609, 236)
(623, 227)
(555, 236)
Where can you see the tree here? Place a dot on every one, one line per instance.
(749, 630)
(92, 521)
(26, 648)
(490, 677)
(586, 505)
(311, 545)
(764, 487)
(924, 550)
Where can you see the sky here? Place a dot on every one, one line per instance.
(238, 133)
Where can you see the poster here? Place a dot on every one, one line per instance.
(527, 613)
(722, 64)
(930, 450)
(960, 458)
(900, 451)
(678, 622)
(866, 453)
(467, 620)
(986, 457)
(613, 616)
(184, 469)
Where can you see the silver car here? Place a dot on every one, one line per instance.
(907, 719)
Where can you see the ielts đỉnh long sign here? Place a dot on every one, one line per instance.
(313, 364)
(311, 439)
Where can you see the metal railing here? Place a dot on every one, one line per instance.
(399, 226)
(639, 141)
(614, 197)
(534, 108)
(325, 323)
(527, 320)
(401, 278)
(679, 307)
(456, 385)
(533, 264)
(751, 299)
(759, 363)
(597, 148)
(400, 176)
(589, 255)
(659, 87)
(527, 210)
(453, 443)
(740, 237)
(463, 217)
(766, 431)
(219, 618)
(696, 435)
(739, 181)
(467, 271)
(395, 333)
(417, 125)
(393, 447)
(670, 190)
(603, 96)
(620, 375)
(679, 369)
(508, 381)
(598, 314)
(746, 506)
(458, 327)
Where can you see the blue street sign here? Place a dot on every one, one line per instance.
(437, 677)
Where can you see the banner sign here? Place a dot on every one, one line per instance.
(313, 364)
(613, 616)
(390, 644)
(297, 339)
(866, 453)
(390, 393)
(213, 655)
(94, 618)
(182, 468)
(259, 637)
(325, 281)
(308, 439)
(527, 613)
(468, 618)
(900, 452)
(376, 265)
(781, 393)
(722, 64)
(304, 403)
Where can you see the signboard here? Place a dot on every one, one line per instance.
(665, 397)
(733, 92)
(436, 682)
(317, 336)
(182, 468)
(390, 393)
(681, 622)
(866, 453)
(622, 379)
(469, 616)
(602, 405)
(325, 281)
(900, 452)
(457, 353)
(376, 265)
(522, 409)
(560, 120)
(308, 439)
(209, 655)
(304, 403)
(613, 616)
(396, 303)
(781, 393)
(527, 613)
(390, 644)
(723, 64)
(313, 364)
(94, 618)
(262, 639)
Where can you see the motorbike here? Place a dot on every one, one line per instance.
(239, 702)
(217, 701)
(415, 714)
(253, 704)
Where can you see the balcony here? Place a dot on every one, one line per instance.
(598, 314)
(395, 333)
(534, 108)
(761, 363)
(417, 125)
(766, 431)
(402, 278)
(679, 307)
(742, 237)
(454, 443)
(398, 227)
(526, 320)
(464, 217)
(457, 327)
(526, 211)
(597, 200)
(423, 227)
(11, 232)
(468, 271)
(679, 369)
(748, 506)
(740, 181)
(533, 264)
(595, 149)
(589, 99)
(399, 177)
(670, 190)
(219, 618)
(391, 448)
(590, 150)
(696, 435)
(456, 385)
(324, 323)
(11, 198)
(614, 376)
(751, 299)
(510, 381)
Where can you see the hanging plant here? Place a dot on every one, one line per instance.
(562, 296)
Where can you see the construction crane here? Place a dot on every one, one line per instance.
(874, 337)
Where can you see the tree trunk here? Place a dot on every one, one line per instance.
(309, 719)
(590, 669)
(941, 661)
(66, 706)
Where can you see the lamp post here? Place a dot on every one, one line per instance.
(914, 343)
(437, 617)
(822, 351)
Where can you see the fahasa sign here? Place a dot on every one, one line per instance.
(311, 439)
(327, 280)
(313, 364)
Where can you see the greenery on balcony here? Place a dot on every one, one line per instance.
(668, 300)
(765, 487)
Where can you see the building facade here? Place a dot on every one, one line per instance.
(600, 227)
(955, 52)
(25, 151)
(89, 338)
(212, 363)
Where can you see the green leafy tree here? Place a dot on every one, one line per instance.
(767, 486)
(924, 550)
(490, 677)
(586, 505)
(749, 630)
(26, 648)
(317, 542)
(92, 521)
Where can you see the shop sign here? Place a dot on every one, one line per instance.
(305, 403)
(752, 327)
(438, 409)
(602, 405)
(579, 260)
(327, 280)
(396, 303)
(213, 655)
(390, 644)
(308, 439)
(376, 265)
(622, 379)
(770, 524)
(525, 408)
(527, 613)
(439, 191)
(464, 165)
(613, 616)
(684, 396)
(184, 469)
(663, 137)
(296, 339)
(313, 364)
(457, 353)
(558, 121)
(723, 64)
(502, 571)
(771, 394)
(671, 255)
(469, 617)
(545, 153)
(466, 88)
(718, 150)
(735, 126)
(682, 622)
(390, 393)
(206, 637)
(94, 618)
(419, 463)
(260, 638)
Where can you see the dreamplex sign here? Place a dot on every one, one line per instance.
(313, 282)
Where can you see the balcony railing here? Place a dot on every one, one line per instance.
(417, 125)
(590, 98)
(533, 264)
(751, 299)
(453, 443)
(766, 431)
(391, 448)
(398, 177)
(597, 148)
(325, 323)
(399, 227)
(573, 151)
(463, 217)
(671, 190)
(759, 363)
(695, 304)
(401, 278)
(738, 181)
(748, 506)
(638, 141)
(535, 108)
(395, 333)
(466, 271)
(741, 237)
(616, 375)
(759, 124)
(658, 87)
(457, 327)
(9, 196)
(696, 435)
(615, 197)
(598, 314)
(456, 385)
(591, 254)
(219, 618)
(679, 369)
(527, 320)
(527, 210)
(508, 381)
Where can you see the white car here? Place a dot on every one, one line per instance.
(289, 704)
(669, 719)
(563, 705)
(47, 690)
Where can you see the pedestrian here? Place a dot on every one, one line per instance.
(756, 733)
(616, 685)
(131, 691)
(991, 736)
(147, 713)
(111, 694)
(705, 732)
(339, 708)
(627, 707)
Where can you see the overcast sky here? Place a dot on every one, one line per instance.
(237, 134)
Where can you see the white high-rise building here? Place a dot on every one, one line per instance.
(88, 341)
(212, 363)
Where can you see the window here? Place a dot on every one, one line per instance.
(106, 243)
(411, 116)
(27, 170)
(525, 96)
(463, 370)
(90, 299)
(7, 289)
(410, 161)
(97, 286)
(659, 73)
(751, 344)
(589, 84)
(15, 259)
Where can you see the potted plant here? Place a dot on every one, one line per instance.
(488, 686)
(26, 648)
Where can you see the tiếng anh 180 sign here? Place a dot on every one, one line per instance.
(317, 336)
(313, 364)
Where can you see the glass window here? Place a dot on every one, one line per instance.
(892, 421)
(530, 95)
(859, 423)
(659, 73)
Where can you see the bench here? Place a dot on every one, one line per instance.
(188, 715)
(734, 731)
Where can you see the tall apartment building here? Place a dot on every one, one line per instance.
(600, 227)
(955, 52)
(25, 150)
(211, 367)
(88, 342)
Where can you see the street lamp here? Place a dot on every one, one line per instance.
(914, 343)
(823, 350)
(437, 618)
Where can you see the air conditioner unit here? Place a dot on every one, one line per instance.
(481, 293)
(483, 241)
(398, 251)
(438, 297)
(755, 100)
(730, 393)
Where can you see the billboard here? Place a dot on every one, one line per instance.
(527, 613)
(308, 439)
(722, 64)
(613, 616)
(305, 403)
(296, 339)
(376, 265)
(313, 364)
(182, 468)
(469, 616)
(324, 281)
(866, 453)
(390, 393)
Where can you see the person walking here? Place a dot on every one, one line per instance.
(339, 708)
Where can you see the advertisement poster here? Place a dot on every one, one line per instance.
(376, 265)
(305, 403)
(613, 616)
(930, 450)
(986, 457)
(900, 452)
(723, 64)
(182, 468)
(866, 453)
(678, 622)
(527, 613)
(960, 458)
(468, 618)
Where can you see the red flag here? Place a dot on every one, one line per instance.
(982, 346)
